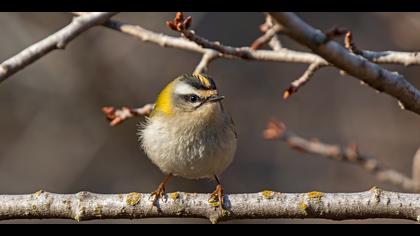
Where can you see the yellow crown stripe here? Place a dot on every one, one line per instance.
(204, 81)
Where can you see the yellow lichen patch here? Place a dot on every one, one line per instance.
(315, 195)
(302, 205)
(38, 193)
(267, 194)
(214, 203)
(174, 196)
(133, 198)
(98, 211)
(79, 216)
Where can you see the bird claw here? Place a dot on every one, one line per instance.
(158, 193)
(217, 198)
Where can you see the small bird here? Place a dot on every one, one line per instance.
(189, 133)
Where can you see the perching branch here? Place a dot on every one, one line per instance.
(58, 40)
(377, 77)
(82, 206)
(277, 131)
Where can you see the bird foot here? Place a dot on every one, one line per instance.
(217, 198)
(158, 193)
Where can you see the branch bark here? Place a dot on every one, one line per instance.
(58, 40)
(117, 116)
(228, 52)
(277, 131)
(297, 84)
(82, 206)
(380, 79)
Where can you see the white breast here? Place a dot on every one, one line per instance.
(194, 150)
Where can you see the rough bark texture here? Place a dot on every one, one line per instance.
(374, 203)
(380, 79)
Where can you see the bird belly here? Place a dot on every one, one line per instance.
(186, 152)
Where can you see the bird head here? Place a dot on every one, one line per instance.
(188, 94)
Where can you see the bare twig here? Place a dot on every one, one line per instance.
(385, 57)
(283, 55)
(117, 116)
(270, 31)
(295, 85)
(274, 43)
(82, 206)
(381, 57)
(380, 79)
(277, 131)
(244, 52)
(207, 58)
(57, 40)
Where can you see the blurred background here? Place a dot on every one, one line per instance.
(53, 135)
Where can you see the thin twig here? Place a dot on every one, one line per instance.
(58, 40)
(295, 85)
(270, 31)
(244, 52)
(82, 206)
(274, 43)
(206, 59)
(117, 116)
(277, 131)
(283, 55)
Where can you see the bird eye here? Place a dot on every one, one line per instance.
(192, 98)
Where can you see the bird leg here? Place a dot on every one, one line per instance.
(217, 198)
(160, 191)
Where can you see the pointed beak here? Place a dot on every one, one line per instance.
(215, 98)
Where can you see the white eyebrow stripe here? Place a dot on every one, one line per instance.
(185, 89)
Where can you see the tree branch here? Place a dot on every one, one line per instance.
(209, 49)
(82, 206)
(270, 31)
(117, 116)
(392, 57)
(207, 58)
(295, 85)
(58, 40)
(277, 131)
(380, 79)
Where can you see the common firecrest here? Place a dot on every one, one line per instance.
(189, 133)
